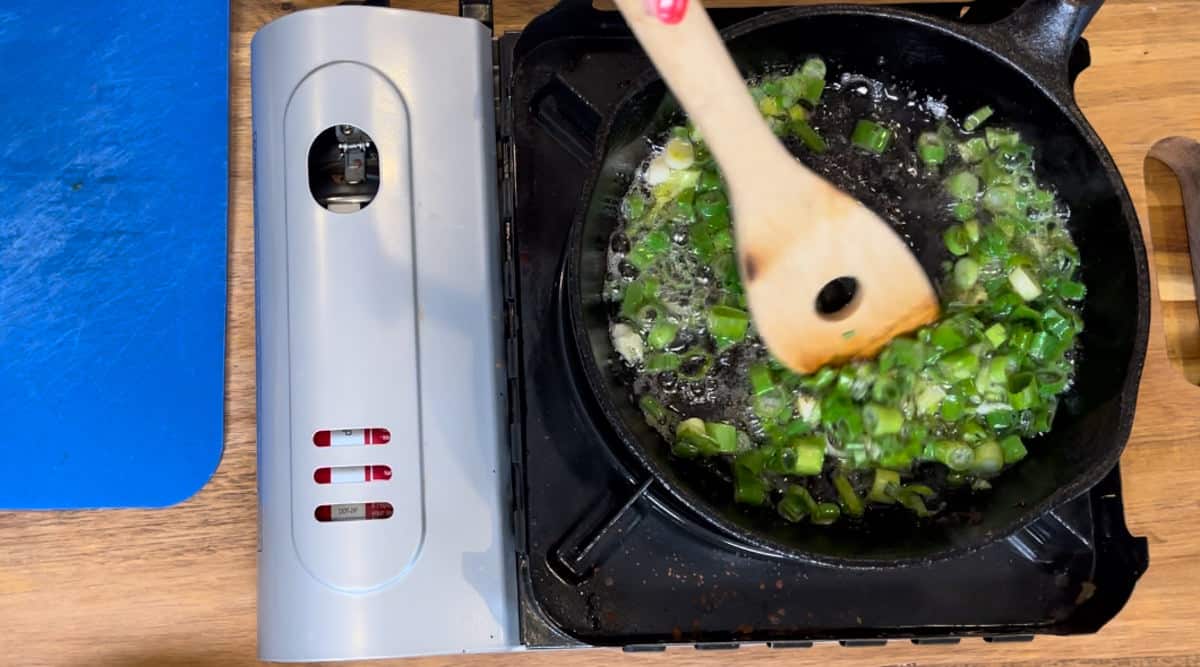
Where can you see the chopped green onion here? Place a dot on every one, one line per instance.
(812, 80)
(997, 368)
(946, 337)
(1041, 199)
(966, 273)
(727, 325)
(849, 500)
(760, 379)
(821, 379)
(1057, 323)
(1025, 313)
(712, 204)
(808, 136)
(795, 429)
(679, 153)
(685, 449)
(989, 458)
(1042, 345)
(647, 313)
(973, 150)
(1043, 418)
(1013, 449)
(994, 243)
(1071, 290)
(683, 207)
(963, 211)
(920, 490)
(662, 362)
(1023, 284)
(754, 460)
(770, 106)
(795, 504)
(772, 407)
(724, 435)
(972, 432)
(1051, 383)
(931, 149)
(996, 334)
(885, 486)
(929, 399)
(662, 334)
(653, 410)
(959, 365)
(648, 249)
(977, 118)
(962, 185)
(791, 508)
(825, 514)
(901, 460)
(694, 430)
(634, 206)
(997, 138)
(635, 296)
(710, 180)
(748, 487)
(886, 390)
(871, 136)
(1020, 337)
(722, 239)
(971, 228)
(993, 173)
(805, 456)
(904, 353)
(671, 184)
(956, 240)
(953, 455)
(882, 420)
(813, 68)
(691, 439)
(1000, 198)
(913, 501)
(1000, 419)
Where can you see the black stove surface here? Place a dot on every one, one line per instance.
(604, 557)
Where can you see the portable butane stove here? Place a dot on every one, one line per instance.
(433, 473)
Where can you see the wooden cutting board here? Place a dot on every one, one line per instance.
(177, 587)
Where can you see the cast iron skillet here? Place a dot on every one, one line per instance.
(1019, 67)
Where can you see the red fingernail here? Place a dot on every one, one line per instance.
(670, 11)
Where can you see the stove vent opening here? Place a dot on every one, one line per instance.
(343, 169)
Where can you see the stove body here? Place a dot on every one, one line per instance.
(400, 291)
(383, 476)
(605, 557)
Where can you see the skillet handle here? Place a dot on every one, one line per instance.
(1042, 34)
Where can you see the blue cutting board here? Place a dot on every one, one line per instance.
(113, 194)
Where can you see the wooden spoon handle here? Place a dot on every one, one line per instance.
(692, 59)
(1182, 156)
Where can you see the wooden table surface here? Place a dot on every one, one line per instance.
(177, 587)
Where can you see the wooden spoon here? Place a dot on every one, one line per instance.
(796, 233)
